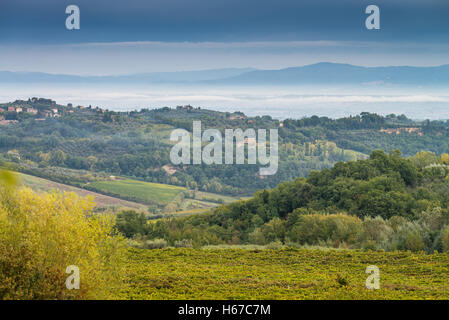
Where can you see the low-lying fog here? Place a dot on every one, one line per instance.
(279, 102)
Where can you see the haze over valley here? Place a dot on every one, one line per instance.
(324, 89)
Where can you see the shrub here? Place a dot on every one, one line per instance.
(374, 234)
(155, 244)
(410, 236)
(257, 237)
(274, 245)
(184, 243)
(42, 234)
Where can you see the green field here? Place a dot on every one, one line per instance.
(160, 194)
(140, 191)
(283, 274)
(213, 197)
(133, 194)
(102, 201)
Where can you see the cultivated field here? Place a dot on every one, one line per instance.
(141, 191)
(283, 274)
(159, 194)
(102, 201)
(124, 193)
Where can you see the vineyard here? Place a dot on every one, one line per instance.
(283, 274)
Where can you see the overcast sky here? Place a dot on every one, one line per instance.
(130, 36)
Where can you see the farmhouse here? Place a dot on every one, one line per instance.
(32, 111)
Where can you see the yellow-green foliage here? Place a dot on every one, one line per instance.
(283, 274)
(42, 234)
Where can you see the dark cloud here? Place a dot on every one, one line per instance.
(222, 20)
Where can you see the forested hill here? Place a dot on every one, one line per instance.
(80, 144)
(385, 202)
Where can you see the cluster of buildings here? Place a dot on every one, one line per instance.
(186, 107)
(19, 109)
(236, 117)
(402, 130)
(39, 108)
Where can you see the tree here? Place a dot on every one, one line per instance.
(58, 158)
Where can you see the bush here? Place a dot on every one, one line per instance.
(185, 243)
(257, 237)
(274, 245)
(410, 236)
(155, 244)
(42, 234)
(374, 234)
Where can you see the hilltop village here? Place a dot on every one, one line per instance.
(38, 109)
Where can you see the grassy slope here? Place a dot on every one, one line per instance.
(39, 184)
(133, 194)
(149, 192)
(283, 274)
(141, 192)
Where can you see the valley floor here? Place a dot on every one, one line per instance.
(283, 274)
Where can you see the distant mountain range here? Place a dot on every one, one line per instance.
(155, 77)
(320, 73)
(332, 73)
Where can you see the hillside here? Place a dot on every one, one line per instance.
(101, 200)
(78, 145)
(126, 194)
(385, 202)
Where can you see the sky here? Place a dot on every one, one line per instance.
(119, 37)
(132, 36)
